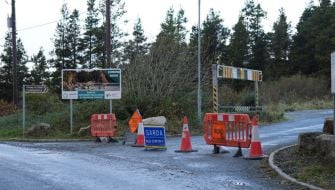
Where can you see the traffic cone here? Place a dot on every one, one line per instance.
(255, 152)
(140, 136)
(186, 145)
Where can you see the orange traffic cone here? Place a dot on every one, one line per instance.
(140, 136)
(255, 152)
(186, 145)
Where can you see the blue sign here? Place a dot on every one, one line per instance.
(91, 94)
(154, 136)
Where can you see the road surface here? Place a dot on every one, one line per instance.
(89, 165)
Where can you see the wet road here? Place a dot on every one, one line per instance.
(88, 165)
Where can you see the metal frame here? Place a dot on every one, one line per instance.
(239, 74)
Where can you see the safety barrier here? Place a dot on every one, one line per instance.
(227, 129)
(103, 125)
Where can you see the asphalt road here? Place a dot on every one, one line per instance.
(89, 165)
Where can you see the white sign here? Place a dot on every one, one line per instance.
(333, 72)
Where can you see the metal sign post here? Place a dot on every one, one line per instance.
(29, 89)
(256, 95)
(215, 89)
(71, 116)
(332, 58)
(23, 109)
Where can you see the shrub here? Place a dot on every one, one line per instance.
(297, 88)
(6, 108)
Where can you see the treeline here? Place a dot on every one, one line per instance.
(166, 69)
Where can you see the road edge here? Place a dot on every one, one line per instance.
(283, 174)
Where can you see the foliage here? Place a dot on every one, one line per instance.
(137, 46)
(6, 108)
(6, 77)
(280, 42)
(314, 40)
(297, 88)
(89, 43)
(39, 73)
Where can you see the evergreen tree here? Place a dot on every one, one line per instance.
(238, 47)
(62, 50)
(257, 46)
(6, 75)
(173, 28)
(117, 35)
(280, 40)
(138, 45)
(73, 39)
(39, 73)
(213, 43)
(314, 40)
(66, 54)
(89, 42)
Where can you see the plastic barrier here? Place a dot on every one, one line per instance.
(103, 125)
(227, 129)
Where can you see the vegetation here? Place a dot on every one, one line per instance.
(306, 167)
(160, 77)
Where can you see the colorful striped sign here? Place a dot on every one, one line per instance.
(239, 73)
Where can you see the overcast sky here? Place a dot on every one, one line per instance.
(32, 13)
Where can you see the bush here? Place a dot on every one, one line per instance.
(6, 108)
(294, 89)
(43, 103)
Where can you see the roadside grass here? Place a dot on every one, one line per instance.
(307, 167)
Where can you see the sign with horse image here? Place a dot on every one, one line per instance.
(91, 84)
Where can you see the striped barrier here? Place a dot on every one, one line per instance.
(239, 73)
(223, 129)
(103, 125)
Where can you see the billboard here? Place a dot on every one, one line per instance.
(91, 84)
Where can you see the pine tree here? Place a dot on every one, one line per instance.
(257, 46)
(6, 78)
(314, 40)
(213, 44)
(39, 73)
(61, 53)
(238, 47)
(117, 35)
(89, 42)
(66, 54)
(138, 45)
(173, 28)
(280, 44)
(73, 39)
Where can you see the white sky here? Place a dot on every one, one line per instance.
(152, 13)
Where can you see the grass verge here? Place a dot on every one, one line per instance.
(307, 167)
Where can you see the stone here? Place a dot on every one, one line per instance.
(159, 120)
(38, 130)
(328, 126)
(307, 141)
(326, 147)
(84, 131)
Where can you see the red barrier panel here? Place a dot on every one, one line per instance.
(103, 125)
(227, 129)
